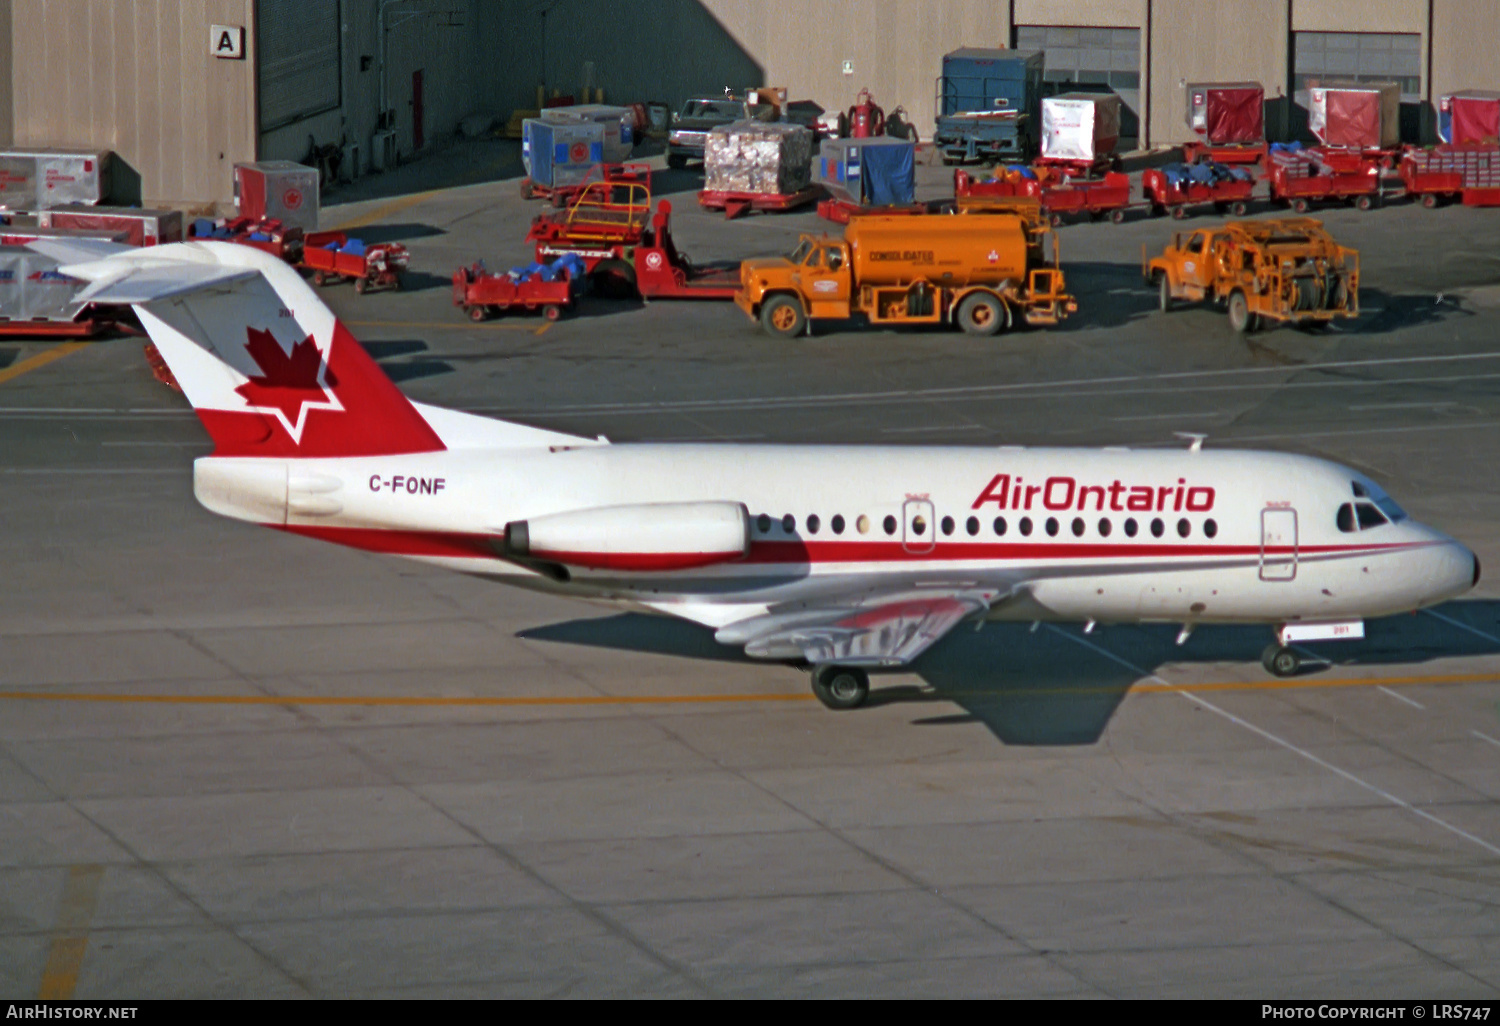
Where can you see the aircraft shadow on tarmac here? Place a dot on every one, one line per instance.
(395, 358)
(1052, 685)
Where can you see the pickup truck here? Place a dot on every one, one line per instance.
(691, 125)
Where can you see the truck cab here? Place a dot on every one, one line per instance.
(988, 105)
(813, 281)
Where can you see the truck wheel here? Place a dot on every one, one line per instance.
(1299, 205)
(1238, 208)
(782, 315)
(982, 314)
(676, 161)
(1239, 313)
(1365, 203)
(1117, 216)
(477, 313)
(1164, 299)
(552, 311)
(1429, 200)
(1179, 212)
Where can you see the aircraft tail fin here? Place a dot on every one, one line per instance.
(267, 367)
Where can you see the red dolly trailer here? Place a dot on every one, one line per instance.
(736, 203)
(1445, 174)
(1175, 193)
(1097, 197)
(376, 266)
(1300, 178)
(566, 195)
(1005, 185)
(483, 295)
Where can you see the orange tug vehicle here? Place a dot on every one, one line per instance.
(982, 271)
(1260, 271)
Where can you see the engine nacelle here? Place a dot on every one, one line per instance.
(650, 536)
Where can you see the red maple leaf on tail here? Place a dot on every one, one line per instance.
(286, 383)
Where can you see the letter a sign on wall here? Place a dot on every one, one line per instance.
(227, 41)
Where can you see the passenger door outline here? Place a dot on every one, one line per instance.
(1278, 544)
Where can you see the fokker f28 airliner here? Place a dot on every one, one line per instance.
(837, 559)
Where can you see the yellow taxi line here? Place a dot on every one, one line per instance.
(70, 937)
(385, 210)
(535, 329)
(426, 701)
(41, 359)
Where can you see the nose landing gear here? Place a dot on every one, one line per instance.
(1281, 661)
(841, 687)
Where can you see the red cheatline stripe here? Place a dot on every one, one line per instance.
(454, 543)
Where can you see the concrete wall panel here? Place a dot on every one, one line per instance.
(6, 103)
(1464, 36)
(1196, 42)
(1111, 13)
(136, 77)
(1361, 15)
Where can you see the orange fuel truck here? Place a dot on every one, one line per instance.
(984, 271)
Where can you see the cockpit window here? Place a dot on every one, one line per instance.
(1387, 505)
(1345, 518)
(1368, 515)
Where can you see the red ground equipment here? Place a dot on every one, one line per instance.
(1177, 187)
(483, 295)
(277, 190)
(1301, 177)
(735, 204)
(1005, 184)
(1356, 116)
(376, 266)
(865, 119)
(1472, 116)
(1229, 118)
(613, 174)
(1444, 174)
(1096, 197)
(268, 235)
(1079, 133)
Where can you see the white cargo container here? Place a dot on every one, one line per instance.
(618, 124)
(1080, 126)
(42, 178)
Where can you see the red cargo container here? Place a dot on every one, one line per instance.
(1472, 116)
(142, 227)
(1227, 113)
(1361, 116)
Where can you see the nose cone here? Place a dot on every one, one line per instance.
(1456, 571)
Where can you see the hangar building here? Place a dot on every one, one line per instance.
(182, 89)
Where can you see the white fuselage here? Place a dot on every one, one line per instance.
(1243, 536)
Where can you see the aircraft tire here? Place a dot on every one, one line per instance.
(1280, 661)
(841, 687)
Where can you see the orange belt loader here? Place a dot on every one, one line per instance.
(983, 271)
(1262, 271)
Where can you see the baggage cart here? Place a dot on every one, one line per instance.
(1301, 177)
(483, 295)
(1170, 190)
(1229, 120)
(566, 195)
(376, 266)
(734, 204)
(285, 242)
(141, 227)
(1447, 174)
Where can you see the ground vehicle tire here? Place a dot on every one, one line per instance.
(319, 277)
(478, 313)
(1429, 200)
(1056, 220)
(1240, 318)
(982, 313)
(1238, 208)
(613, 279)
(782, 315)
(676, 161)
(552, 311)
(1280, 661)
(1117, 216)
(1164, 295)
(1179, 212)
(841, 687)
(528, 190)
(1365, 202)
(360, 284)
(1299, 205)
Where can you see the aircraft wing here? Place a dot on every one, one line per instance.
(887, 630)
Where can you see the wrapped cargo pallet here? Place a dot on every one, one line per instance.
(757, 157)
(1227, 113)
(561, 153)
(1471, 116)
(1080, 126)
(618, 124)
(1356, 115)
(878, 172)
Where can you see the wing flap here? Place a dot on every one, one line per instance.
(890, 633)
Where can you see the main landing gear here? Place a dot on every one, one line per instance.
(841, 687)
(1280, 661)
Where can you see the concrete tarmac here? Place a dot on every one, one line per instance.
(239, 763)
